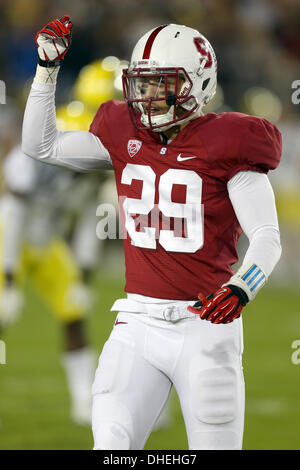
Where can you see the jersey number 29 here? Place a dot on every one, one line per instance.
(190, 211)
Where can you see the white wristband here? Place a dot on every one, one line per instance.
(46, 74)
(250, 277)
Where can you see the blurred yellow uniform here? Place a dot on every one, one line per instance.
(54, 272)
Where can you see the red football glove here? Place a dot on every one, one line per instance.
(224, 306)
(53, 42)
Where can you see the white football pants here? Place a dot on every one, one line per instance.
(140, 361)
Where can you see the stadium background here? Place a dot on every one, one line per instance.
(257, 43)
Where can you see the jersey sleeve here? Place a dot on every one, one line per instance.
(260, 146)
(112, 126)
(98, 126)
(102, 127)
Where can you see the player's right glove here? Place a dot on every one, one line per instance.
(53, 42)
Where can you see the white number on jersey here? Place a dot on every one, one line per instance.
(190, 210)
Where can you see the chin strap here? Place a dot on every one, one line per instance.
(164, 138)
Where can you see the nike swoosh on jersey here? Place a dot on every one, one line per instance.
(182, 159)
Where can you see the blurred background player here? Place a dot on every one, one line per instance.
(46, 240)
(43, 244)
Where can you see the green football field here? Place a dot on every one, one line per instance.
(34, 400)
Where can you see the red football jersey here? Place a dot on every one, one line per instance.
(181, 226)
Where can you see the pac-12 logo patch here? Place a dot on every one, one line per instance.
(133, 147)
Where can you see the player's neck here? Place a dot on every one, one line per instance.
(171, 133)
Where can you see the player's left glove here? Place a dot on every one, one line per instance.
(224, 306)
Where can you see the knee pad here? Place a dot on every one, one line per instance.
(216, 395)
(112, 423)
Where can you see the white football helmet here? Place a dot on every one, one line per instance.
(173, 64)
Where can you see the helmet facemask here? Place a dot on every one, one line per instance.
(158, 98)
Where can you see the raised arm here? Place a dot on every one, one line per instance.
(78, 150)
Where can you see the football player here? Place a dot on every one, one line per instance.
(188, 184)
(34, 211)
